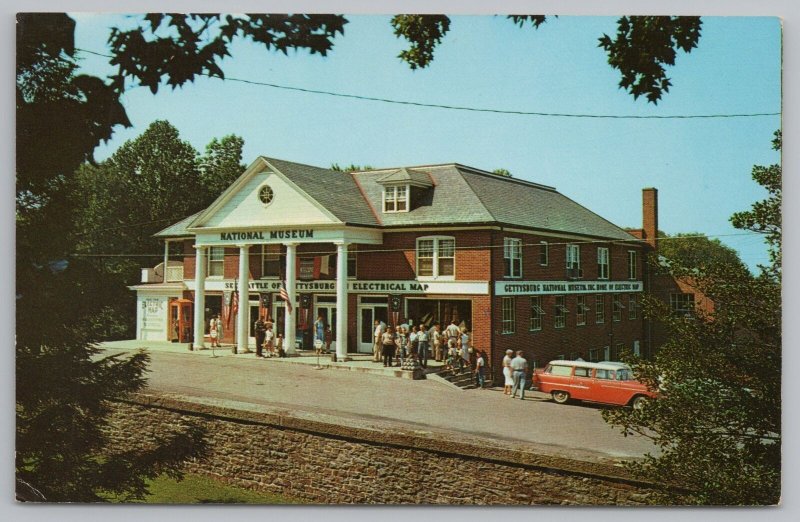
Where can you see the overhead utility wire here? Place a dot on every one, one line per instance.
(469, 247)
(479, 109)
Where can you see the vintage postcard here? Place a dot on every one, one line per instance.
(510, 259)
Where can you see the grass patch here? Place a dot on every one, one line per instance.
(198, 489)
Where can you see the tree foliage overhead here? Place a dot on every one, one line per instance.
(178, 47)
(644, 45)
(641, 49)
(717, 422)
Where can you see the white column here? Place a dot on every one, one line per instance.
(199, 295)
(341, 301)
(242, 320)
(289, 323)
(166, 260)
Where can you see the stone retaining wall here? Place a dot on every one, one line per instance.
(331, 463)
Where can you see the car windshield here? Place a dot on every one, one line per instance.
(623, 375)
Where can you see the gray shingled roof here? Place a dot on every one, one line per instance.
(406, 175)
(336, 191)
(178, 229)
(460, 195)
(451, 201)
(525, 204)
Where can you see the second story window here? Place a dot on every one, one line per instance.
(573, 260)
(270, 260)
(352, 258)
(395, 199)
(632, 262)
(544, 254)
(216, 261)
(512, 257)
(682, 304)
(602, 263)
(436, 257)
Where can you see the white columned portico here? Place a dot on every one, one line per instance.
(290, 322)
(242, 320)
(199, 295)
(341, 301)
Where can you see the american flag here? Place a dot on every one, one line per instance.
(285, 297)
(234, 306)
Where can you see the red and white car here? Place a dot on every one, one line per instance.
(602, 382)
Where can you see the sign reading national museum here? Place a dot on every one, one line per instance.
(504, 288)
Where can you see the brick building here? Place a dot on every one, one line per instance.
(521, 265)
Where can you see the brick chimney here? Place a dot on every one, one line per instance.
(650, 216)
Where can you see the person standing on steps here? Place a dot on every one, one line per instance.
(377, 336)
(388, 342)
(260, 329)
(436, 341)
(422, 345)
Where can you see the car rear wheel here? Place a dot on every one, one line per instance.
(560, 397)
(639, 402)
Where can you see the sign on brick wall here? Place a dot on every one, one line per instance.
(565, 287)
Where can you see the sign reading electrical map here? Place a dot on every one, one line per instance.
(564, 287)
(360, 287)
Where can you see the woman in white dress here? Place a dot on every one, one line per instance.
(465, 348)
(509, 380)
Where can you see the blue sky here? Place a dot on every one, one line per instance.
(701, 167)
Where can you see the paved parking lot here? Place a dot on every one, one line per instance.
(371, 399)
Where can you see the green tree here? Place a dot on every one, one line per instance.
(765, 216)
(502, 172)
(221, 165)
(641, 49)
(696, 250)
(717, 423)
(171, 182)
(350, 168)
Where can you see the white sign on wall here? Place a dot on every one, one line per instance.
(504, 288)
(409, 287)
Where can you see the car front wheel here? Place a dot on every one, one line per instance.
(639, 402)
(560, 397)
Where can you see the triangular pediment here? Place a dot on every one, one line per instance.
(243, 203)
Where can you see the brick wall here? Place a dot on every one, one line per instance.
(472, 258)
(330, 463)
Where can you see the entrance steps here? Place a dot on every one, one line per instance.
(463, 379)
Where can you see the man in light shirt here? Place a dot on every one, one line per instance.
(377, 334)
(519, 366)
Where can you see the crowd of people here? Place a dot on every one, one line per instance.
(451, 345)
(394, 344)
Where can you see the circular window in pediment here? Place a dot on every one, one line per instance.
(265, 194)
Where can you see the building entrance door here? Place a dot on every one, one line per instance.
(367, 314)
(328, 313)
(251, 332)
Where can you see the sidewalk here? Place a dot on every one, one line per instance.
(360, 362)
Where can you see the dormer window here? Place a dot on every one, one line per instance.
(398, 186)
(395, 199)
